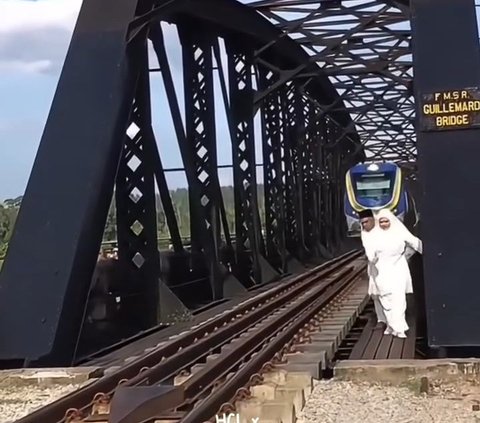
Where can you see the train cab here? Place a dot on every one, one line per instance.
(374, 186)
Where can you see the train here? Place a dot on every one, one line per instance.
(376, 186)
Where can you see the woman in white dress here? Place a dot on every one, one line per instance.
(393, 279)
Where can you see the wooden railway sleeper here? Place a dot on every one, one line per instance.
(210, 405)
(83, 398)
(259, 326)
(203, 379)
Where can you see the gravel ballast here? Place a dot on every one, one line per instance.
(16, 402)
(349, 402)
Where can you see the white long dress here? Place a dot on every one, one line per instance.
(394, 280)
(368, 242)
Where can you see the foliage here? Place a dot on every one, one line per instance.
(9, 210)
(8, 216)
(180, 201)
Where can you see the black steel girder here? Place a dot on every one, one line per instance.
(364, 46)
(101, 119)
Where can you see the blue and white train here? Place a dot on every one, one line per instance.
(376, 186)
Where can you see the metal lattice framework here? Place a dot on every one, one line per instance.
(306, 138)
(364, 48)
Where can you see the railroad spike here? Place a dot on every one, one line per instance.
(101, 404)
(255, 379)
(73, 415)
(227, 407)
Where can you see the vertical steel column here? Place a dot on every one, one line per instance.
(322, 190)
(136, 208)
(61, 222)
(201, 141)
(293, 120)
(334, 183)
(327, 186)
(201, 138)
(446, 57)
(337, 188)
(249, 240)
(298, 141)
(272, 158)
(317, 150)
(311, 217)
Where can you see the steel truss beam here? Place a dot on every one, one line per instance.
(306, 137)
(365, 49)
(135, 201)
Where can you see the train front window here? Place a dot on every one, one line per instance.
(373, 189)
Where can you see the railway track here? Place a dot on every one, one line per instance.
(205, 370)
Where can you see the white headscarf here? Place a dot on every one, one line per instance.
(399, 230)
(387, 214)
(395, 224)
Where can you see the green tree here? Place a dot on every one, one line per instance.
(180, 200)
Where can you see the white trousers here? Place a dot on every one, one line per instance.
(381, 318)
(394, 306)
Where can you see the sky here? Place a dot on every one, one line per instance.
(34, 37)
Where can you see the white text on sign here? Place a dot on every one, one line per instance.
(452, 108)
(233, 418)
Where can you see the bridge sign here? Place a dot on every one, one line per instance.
(457, 109)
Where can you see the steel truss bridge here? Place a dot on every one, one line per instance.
(296, 92)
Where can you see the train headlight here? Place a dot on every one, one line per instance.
(373, 167)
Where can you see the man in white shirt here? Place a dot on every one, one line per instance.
(369, 230)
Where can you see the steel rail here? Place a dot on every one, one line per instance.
(288, 325)
(261, 346)
(244, 348)
(170, 366)
(271, 325)
(188, 347)
(229, 360)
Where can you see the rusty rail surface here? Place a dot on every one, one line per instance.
(287, 328)
(248, 326)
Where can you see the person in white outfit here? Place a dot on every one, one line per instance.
(367, 235)
(393, 279)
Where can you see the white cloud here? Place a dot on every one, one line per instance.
(34, 35)
(37, 66)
